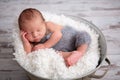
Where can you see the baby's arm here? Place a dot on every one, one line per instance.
(55, 36)
(38, 46)
(26, 44)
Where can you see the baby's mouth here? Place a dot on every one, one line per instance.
(37, 39)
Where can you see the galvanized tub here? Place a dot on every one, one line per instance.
(103, 50)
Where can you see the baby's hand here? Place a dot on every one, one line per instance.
(39, 46)
(26, 43)
(23, 33)
(73, 58)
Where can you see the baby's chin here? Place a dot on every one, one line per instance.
(37, 40)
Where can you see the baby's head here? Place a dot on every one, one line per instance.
(32, 22)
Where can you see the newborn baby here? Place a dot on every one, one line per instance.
(36, 33)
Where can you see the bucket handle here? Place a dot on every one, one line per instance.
(101, 76)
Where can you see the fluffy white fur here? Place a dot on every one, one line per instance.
(47, 63)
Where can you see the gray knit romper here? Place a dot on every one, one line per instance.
(71, 39)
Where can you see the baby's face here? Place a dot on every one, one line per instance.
(35, 30)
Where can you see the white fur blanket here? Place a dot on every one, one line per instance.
(47, 63)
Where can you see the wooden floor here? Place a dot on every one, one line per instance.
(105, 14)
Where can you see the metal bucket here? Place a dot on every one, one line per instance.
(103, 49)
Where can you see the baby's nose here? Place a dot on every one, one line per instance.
(35, 34)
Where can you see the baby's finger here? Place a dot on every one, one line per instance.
(69, 62)
(66, 63)
(35, 48)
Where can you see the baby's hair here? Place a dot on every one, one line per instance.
(28, 14)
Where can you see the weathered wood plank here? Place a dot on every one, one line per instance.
(88, 8)
(13, 75)
(6, 55)
(6, 50)
(5, 38)
(114, 68)
(9, 64)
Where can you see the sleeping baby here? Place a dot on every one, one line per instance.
(36, 33)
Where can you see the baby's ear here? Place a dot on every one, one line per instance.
(22, 32)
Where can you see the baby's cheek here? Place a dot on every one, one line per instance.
(29, 38)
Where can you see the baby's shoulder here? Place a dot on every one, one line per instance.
(53, 26)
(49, 23)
